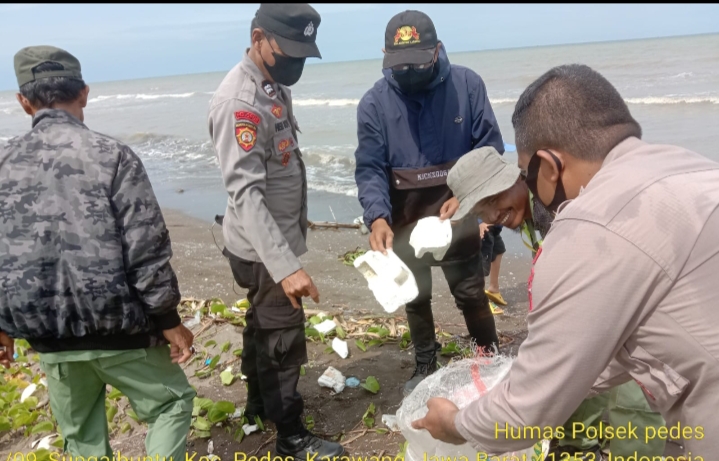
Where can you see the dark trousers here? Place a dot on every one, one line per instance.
(273, 348)
(466, 283)
(492, 246)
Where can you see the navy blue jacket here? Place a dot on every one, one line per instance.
(398, 132)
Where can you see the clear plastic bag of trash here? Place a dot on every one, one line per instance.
(462, 382)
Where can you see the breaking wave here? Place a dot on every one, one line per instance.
(329, 168)
(674, 100)
(325, 102)
(143, 96)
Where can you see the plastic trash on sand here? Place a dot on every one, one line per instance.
(391, 422)
(249, 429)
(461, 382)
(431, 235)
(333, 379)
(340, 347)
(326, 326)
(390, 280)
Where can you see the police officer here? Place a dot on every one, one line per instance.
(412, 126)
(254, 133)
(618, 292)
(498, 192)
(85, 269)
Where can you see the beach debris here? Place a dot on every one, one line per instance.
(352, 382)
(227, 377)
(371, 384)
(363, 228)
(325, 326)
(30, 390)
(340, 347)
(330, 225)
(239, 413)
(45, 442)
(390, 280)
(242, 304)
(390, 421)
(210, 447)
(194, 321)
(249, 429)
(348, 259)
(333, 379)
(431, 235)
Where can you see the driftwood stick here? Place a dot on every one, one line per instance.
(331, 225)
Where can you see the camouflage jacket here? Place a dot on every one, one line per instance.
(84, 251)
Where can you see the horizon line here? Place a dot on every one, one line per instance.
(448, 52)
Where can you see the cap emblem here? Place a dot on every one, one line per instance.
(406, 35)
(310, 29)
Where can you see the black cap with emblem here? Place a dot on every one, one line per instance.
(410, 38)
(293, 25)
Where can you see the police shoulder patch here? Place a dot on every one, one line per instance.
(246, 134)
(247, 115)
(268, 88)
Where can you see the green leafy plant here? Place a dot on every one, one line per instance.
(360, 345)
(348, 259)
(371, 384)
(368, 417)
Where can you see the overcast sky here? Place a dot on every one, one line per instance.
(124, 41)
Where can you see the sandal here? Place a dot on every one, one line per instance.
(496, 297)
(496, 310)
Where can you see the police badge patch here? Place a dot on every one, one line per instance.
(268, 88)
(246, 134)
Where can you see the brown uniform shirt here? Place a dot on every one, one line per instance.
(629, 277)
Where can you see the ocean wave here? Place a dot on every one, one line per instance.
(502, 101)
(325, 102)
(354, 102)
(674, 100)
(682, 75)
(143, 96)
(333, 188)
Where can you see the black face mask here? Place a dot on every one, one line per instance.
(533, 172)
(541, 217)
(286, 71)
(413, 81)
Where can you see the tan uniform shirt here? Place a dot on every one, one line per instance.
(253, 130)
(628, 277)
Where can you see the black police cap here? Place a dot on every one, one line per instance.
(293, 25)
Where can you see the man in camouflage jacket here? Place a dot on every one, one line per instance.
(85, 272)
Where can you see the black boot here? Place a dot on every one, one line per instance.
(421, 371)
(304, 447)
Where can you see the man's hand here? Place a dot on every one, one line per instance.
(439, 421)
(381, 237)
(7, 355)
(299, 285)
(180, 339)
(483, 228)
(449, 208)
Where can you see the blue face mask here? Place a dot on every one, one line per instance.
(412, 80)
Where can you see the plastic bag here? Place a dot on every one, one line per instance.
(462, 382)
